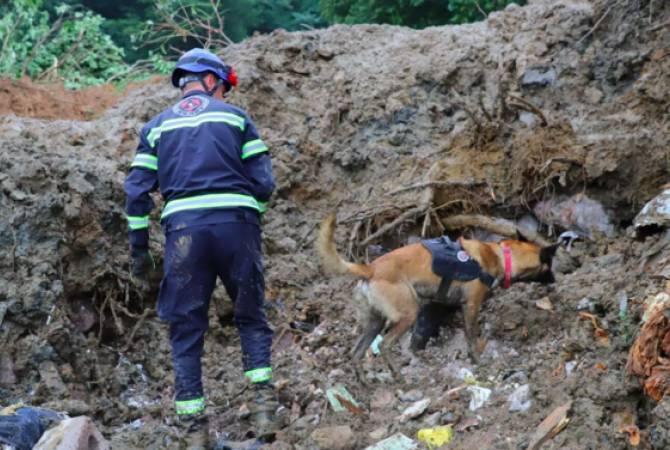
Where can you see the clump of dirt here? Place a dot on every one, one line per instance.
(398, 129)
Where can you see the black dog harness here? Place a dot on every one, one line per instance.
(452, 262)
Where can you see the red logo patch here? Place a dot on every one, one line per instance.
(190, 106)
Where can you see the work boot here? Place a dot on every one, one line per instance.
(262, 407)
(194, 431)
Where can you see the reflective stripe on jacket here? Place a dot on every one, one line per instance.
(207, 159)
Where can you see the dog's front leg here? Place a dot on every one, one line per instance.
(475, 292)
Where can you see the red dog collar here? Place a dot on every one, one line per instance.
(507, 254)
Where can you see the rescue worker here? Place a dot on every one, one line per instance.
(215, 175)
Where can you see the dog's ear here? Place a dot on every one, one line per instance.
(520, 237)
(547, 253)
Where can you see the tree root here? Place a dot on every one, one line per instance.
(495, 225)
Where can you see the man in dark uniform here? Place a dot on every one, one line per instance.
(215, 175)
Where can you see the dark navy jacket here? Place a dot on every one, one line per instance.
(208, 161)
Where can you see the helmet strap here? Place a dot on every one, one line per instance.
(211, 92)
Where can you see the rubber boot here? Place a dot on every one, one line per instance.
(194, 431)
(262, 407)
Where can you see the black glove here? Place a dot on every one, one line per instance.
(141, 263)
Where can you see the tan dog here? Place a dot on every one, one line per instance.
(389, 283)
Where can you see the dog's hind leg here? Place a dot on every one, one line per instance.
(400, 302)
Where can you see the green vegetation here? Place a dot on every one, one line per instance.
(88, 42)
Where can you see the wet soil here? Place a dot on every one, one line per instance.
(376, 122)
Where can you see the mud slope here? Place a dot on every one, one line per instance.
(555, 98)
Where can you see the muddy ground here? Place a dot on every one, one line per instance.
(534, 105)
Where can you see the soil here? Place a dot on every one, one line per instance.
(378, 123)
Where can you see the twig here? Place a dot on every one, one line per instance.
(433, 184)
(659, 26)
(401, 218)
(593, 29)
(137, 326)
(426, 223)
(525, 104)
(352, 237)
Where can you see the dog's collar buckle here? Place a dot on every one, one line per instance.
(507, 255)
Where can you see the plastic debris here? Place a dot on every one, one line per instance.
(341, 400)
(567, 238)
(21, 427)
(578, 213)
(396, 442)
(435, 437)
(553, 424)
(374, 347)
(601, 334)
(623, 305)
(648, 358)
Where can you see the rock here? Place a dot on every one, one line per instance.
(411, 396)
(334, 438)
(538, 77)
(432, 420)
(70, 406)
(593, 95)
(382, 399)
(655, 213)
(586, 304)
(520, 399)
(415, 410)
(378, 433)
(51, 378)
(7, 376)
(479, 396)
(79, 433)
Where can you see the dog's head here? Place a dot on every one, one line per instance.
(531, 262)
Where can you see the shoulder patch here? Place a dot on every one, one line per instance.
(190, 106)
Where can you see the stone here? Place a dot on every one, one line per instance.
(51, 378)
(378, 433)
(520, 399)
(382, 399)
(7, 376)
(538, 77)
(415, 410)
(338, 437)
(411, 396)
(78, 433)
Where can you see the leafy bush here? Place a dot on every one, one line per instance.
(71, 47)
(412, 13)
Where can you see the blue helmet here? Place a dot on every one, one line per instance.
(199, 60)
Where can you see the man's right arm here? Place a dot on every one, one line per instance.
(142, 179)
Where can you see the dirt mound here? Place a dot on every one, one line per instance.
(26, 98)
(398, 129)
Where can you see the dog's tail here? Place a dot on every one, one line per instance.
(330, 259)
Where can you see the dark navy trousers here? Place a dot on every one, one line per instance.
(194, 258)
